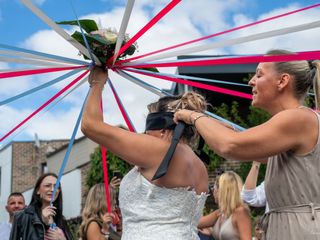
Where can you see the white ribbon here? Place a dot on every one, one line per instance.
(33, 56)
(30, 62)
(123, 28)
(229, 42)
(58, 29)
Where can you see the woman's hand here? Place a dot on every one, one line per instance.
(106, 220)
(98, 76)
(55, 234)
(186, 116)
(47, 214)
(115, 182)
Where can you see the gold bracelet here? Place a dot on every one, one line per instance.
(196, 118)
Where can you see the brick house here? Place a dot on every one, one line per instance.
(21, 163)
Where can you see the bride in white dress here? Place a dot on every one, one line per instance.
(168, 208)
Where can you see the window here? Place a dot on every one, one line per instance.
(44, 168)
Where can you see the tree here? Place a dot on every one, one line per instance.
(95, 174)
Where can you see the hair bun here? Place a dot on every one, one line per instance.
(193, 101)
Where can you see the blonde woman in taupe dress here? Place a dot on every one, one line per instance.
(289, 140)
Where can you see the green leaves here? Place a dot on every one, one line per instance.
(95, 174)
(87, 24)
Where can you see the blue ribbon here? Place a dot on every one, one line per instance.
(82, 33)
(66, 157)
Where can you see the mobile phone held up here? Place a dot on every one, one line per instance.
(117, 174)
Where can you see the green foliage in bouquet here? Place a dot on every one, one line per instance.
(102, 42)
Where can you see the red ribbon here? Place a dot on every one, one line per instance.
(105, 170)
(105, 176)
(45, 104)
(36, 71)
(197, 84)
(122, 110)
(153, 21)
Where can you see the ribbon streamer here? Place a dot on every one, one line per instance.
(37, 71)
(44, 55)
(58, 30)
(123, 29)
(30, 62)
(153, 21)
(122, 109)
(231, 42)
(32, 56)
(196, 78)
(298, 56)
(196, 84)
(67, 155)
(221, 33)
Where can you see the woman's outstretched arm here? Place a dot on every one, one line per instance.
(137, 149)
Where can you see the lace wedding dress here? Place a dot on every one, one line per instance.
(151, 212)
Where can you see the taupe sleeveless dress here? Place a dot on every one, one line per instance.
(292, 187)
(226, 231)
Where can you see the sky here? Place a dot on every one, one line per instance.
(190, 19)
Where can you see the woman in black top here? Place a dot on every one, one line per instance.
(34, 222)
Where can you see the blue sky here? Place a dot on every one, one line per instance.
(188, 20)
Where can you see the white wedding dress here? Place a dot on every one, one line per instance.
(157, 213)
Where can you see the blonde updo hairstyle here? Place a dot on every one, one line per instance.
(190, 101)
(305, 74)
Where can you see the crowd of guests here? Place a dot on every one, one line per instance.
(163, 195)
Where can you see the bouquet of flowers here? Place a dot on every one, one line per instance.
(102, 42)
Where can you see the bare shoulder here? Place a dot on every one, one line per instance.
(93, 228)
(295, 116)
(241, 211)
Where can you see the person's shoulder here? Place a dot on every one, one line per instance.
(295, 115)
(27, 212)
(93, 227)
(242, 210)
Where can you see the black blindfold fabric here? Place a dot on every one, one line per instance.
(160, 120)
(163, 168)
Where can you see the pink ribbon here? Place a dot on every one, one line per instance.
(36, 71)
(122, 110)
(105, 170)
(105, 176)
(197, 84)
